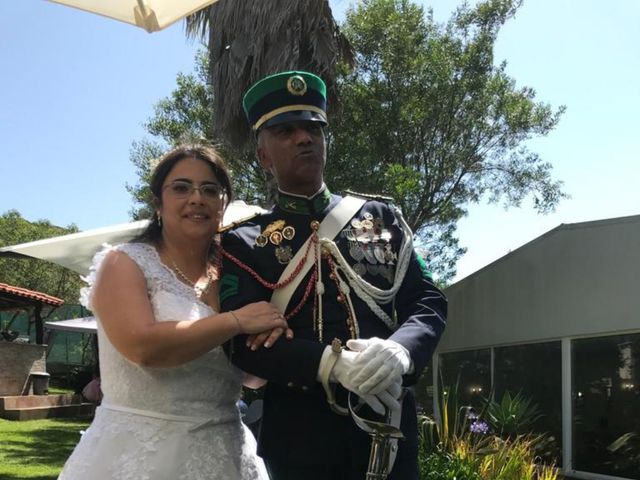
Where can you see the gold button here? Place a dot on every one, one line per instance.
(290, 384)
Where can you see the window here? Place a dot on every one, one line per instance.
(424, 391)
(471, 372)
(535, 371)
(606, 405)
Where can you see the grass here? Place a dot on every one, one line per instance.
(37, 449)
(60, 391)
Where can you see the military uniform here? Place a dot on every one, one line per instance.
(298, 427)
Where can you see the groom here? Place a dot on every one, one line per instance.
(345, 274)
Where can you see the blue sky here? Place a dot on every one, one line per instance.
(76, 89)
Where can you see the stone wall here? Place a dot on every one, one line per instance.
(17, 360)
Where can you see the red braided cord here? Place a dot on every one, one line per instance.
(305, 297)
(262, 281)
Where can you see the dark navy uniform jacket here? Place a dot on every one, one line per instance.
(298, 426)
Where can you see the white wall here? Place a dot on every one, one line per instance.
(578, 279)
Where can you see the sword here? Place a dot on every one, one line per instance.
(384, 439)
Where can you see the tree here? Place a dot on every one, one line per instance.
(426, 118)
(434, 123)
(35, 274)
(187, 115)
(253, 38)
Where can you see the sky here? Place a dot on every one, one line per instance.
(76, 89)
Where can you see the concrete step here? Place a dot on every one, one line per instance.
(29, 401)
(38, 413)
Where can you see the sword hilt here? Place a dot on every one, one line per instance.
(384, 443)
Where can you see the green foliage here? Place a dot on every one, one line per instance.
(443, 432)
(34, 274)
(512, 415)
(625, 452)
(513, 459)
(435, 122)
(443, 466)
(452, 449)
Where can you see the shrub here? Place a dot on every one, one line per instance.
(491, 445)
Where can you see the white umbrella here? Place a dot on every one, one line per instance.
(76, 250)
(152, 15)
(82, 325)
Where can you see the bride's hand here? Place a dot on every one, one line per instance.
(267, 338)
(258, 317)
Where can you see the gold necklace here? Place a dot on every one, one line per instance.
(200, 291)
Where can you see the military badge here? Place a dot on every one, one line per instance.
(273, 227)
(296, 85)
(390, 256)
(284, 254)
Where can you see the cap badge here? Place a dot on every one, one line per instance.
(296, 85)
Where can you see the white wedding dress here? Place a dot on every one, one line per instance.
(176, 423)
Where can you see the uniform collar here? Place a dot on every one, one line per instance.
(316, 203)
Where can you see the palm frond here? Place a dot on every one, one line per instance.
(250, 39)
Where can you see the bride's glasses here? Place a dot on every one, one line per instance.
(182, 189)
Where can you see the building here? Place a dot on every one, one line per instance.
(559, 320)
(20, 361)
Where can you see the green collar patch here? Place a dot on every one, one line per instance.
(423, 267)
(303, 205)
(229, 286)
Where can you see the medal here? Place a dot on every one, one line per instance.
(368, 254)
(368, 224)
(348, 234)
(378, 252)
(288, 232)
(355, 251)
(275, 238)
(360, 269)
(267, 234)
(261, 240)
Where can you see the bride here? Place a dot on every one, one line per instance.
(169, 407)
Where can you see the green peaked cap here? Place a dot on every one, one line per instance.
(286, 97)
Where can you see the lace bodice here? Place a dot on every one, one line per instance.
(206, 387)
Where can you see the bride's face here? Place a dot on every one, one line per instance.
(192, 201)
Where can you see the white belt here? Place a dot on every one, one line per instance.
(198, 422)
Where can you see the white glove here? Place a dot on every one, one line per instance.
(344, 370)
(378, 366)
